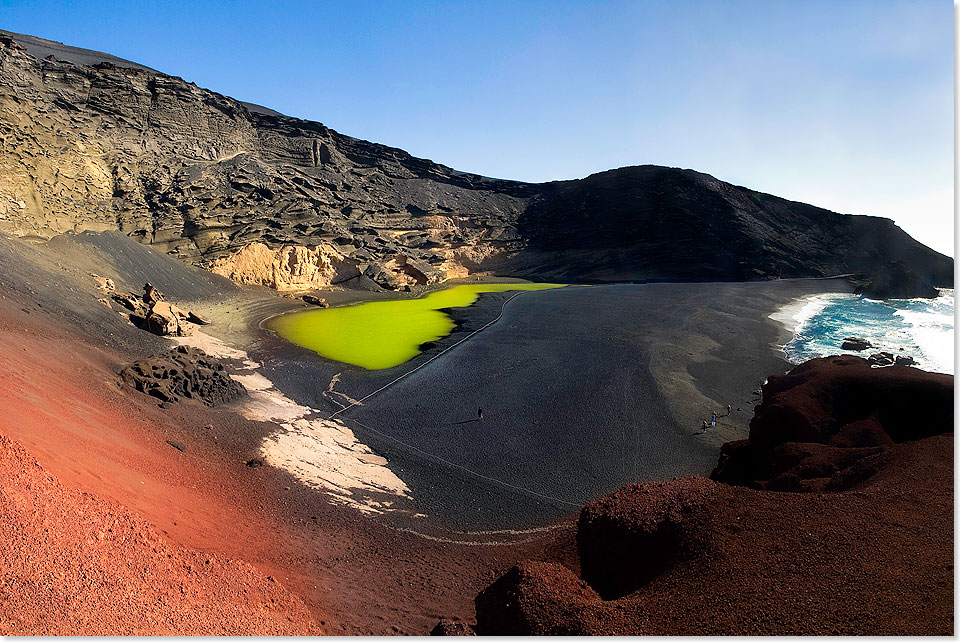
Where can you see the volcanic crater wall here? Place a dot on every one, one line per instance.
(89, 141)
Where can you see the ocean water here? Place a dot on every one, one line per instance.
(920, 328)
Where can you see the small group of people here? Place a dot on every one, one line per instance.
(713, 419)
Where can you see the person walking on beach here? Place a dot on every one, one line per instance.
(729, 408)
(713, 420)
(479, 414)
(703, 427)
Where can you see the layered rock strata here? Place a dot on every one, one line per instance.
(89, 141)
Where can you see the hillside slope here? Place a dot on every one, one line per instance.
(89, 141)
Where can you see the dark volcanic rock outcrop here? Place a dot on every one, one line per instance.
(152, 313)
(855, 343)
(184, 373)
(89, 141)
(896, 280)
(823, 425)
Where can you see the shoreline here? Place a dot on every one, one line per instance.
(922, 333)
(684, 360)
(385, 334)
(791, 316)
(392, 414)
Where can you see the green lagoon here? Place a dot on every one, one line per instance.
(383, 334)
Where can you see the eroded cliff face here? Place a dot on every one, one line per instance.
(287, 268)
(94, 142)
(263, 198)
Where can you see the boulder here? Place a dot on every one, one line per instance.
(905, 361)
(131, 302)
(104, 284)
(881, 359)
(151, 295)
(314, 300)
(183, 373)
(855, 343)
(163, 319)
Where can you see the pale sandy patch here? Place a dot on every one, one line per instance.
(323, 453)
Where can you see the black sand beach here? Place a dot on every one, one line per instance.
(583, 389)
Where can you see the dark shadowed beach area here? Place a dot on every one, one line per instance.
(583, 389)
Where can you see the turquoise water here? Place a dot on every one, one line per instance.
(920, 328)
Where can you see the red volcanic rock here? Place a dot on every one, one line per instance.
(828, 415)
(813, 468)
(627, 538)
(875, 560)
(536, 598)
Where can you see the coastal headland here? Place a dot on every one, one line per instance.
(628, 454)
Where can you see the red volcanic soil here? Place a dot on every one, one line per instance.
(115, 531)
(74, 563)
(700, 557)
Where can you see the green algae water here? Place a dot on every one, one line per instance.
(383, 334)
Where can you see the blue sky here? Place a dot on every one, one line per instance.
(845, 104)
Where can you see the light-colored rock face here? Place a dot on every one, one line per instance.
(468, 260)
(298, 268)
(289, 268)
(47, 174)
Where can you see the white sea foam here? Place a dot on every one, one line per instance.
(931, 325)
(919, 328)
(793, 315)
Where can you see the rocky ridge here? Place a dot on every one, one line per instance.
(823, 426)
(89, 141)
